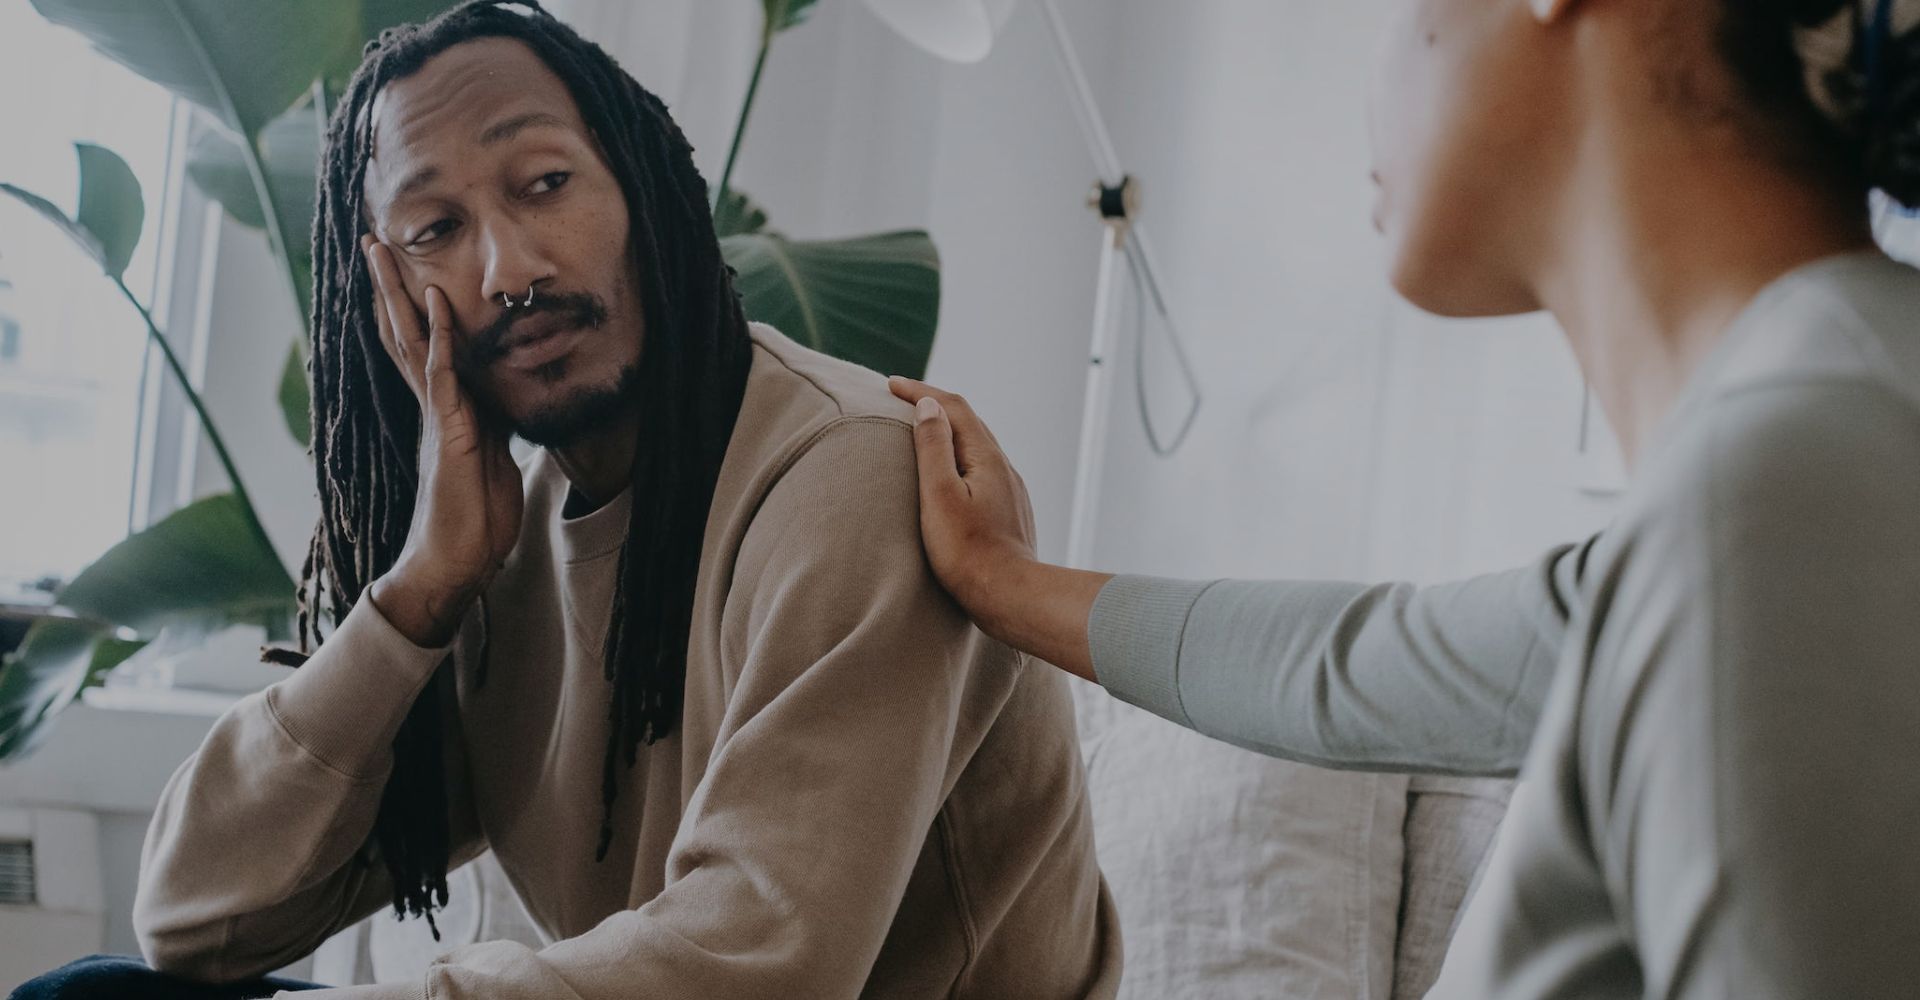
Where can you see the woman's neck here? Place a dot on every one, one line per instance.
(1659, 255)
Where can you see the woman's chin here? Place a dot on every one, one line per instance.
(1446, 283)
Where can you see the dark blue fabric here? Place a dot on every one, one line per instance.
(112, 977)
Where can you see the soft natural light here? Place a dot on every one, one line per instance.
(71, 350)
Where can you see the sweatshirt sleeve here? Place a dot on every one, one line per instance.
(253, 856)
(1391, 677)
(858, 693)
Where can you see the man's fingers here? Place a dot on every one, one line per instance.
(367, 244)
(443, 390)
(409, 340)
(933, 450)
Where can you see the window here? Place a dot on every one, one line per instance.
(72, 353)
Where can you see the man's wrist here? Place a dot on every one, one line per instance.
(428, 616)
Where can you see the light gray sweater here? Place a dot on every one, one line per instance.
(1714, 705)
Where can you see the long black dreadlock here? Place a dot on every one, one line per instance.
(366, 423)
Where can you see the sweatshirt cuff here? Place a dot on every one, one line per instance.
(345, 705)
(1134, 633)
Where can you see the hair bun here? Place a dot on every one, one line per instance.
(1879, 116)
(1892, 123)
(1811, 13)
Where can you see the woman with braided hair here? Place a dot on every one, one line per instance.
(671, 671)
(1714, 704)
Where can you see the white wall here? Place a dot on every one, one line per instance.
(1343, 433)
(857, 131)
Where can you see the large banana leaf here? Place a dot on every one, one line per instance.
(736, 214)
(872, 300)
(202, 567)
(245, 62)
(289, 152)
(199, 570)
(111, 211)
(59, 658)
(289, 149)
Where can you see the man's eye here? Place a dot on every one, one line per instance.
(549, 182)
(433, 232)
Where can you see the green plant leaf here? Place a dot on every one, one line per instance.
(246, 62)
(873, 300)
(59, 658)
(110, 205)
(784, 14)
(86, 241)
(107, 225)
(738, 214)
(200, 568)
(296, 399)
(289, 150)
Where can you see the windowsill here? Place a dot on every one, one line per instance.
(113, 757)
(160, 701)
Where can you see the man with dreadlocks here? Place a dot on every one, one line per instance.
(658, 670)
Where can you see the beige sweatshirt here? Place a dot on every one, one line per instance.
(866, 797)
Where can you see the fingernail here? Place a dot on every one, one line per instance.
(926, 409)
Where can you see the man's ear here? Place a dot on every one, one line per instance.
(1551, 11)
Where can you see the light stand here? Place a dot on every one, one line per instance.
(963, 31)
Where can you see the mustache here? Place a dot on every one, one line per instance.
(578, 310)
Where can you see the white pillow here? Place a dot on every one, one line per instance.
(1239, 876)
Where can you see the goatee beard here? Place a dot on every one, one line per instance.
(571, 419)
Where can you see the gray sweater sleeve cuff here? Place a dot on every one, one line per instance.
(1134, 633)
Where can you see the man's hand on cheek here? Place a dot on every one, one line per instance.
(467, 509)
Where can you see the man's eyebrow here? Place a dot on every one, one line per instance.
(496, 133)
(503, 130)
(414, 182)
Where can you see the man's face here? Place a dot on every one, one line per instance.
(485, 182)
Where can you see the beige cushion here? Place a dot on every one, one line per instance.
(1450, 827)
(1239, 876)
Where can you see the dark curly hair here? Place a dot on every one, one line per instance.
(1873, 141)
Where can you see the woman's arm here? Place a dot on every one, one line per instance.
(1391, 677)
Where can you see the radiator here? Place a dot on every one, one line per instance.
(52, 907)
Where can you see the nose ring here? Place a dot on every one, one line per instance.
(507, 300)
